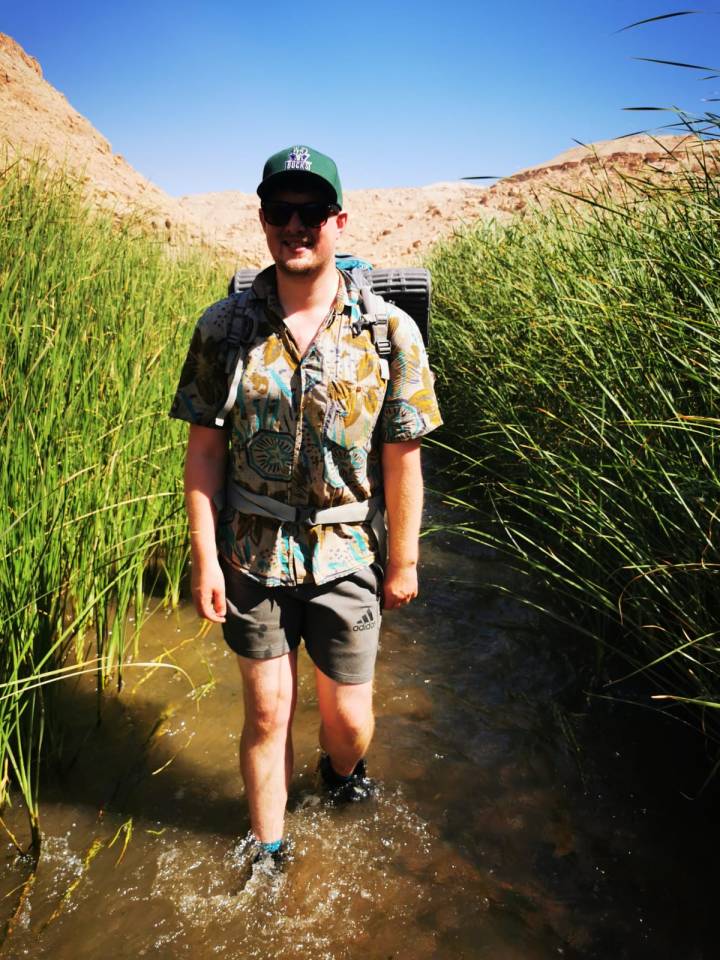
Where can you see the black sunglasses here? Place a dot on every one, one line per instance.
(278, 213)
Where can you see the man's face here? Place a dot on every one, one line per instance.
(299, 250)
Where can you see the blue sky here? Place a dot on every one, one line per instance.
(197, 95)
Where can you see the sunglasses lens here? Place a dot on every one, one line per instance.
(278, 213)
(313, 214)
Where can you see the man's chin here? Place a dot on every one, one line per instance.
(297, 268)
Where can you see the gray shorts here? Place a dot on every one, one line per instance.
(339, 621)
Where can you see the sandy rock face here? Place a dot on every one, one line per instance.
(36, 118)
(389, 227)
(393, 227)
(608, 164)
(14, 50)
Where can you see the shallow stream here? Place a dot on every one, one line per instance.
(494, 835)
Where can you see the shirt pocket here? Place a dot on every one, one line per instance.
(352, 413)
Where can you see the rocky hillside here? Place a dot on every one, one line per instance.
(36, 119)
(385, 226)
(389, 226)
(397, 226)
(612, 164)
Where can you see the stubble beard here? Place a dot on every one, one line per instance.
(297, 270)
(301, 269)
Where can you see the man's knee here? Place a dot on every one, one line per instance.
(267, 718)
(269, 696)
(350, 718)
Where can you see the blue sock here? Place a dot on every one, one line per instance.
(272, 847)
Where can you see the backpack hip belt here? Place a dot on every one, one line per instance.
(258, 505)
(254, 503)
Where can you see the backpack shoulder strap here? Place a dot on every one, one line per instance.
(241, 331)
(375, 316)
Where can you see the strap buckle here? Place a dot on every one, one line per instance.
(306, 515)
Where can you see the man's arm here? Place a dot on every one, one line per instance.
(402, 479)
(205, 464)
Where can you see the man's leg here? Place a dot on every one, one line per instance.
(266, 750)
(341, 629)
(346, 721)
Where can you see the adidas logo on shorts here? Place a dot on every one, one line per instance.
(366, 621)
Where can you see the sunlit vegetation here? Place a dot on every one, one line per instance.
(94, 320)
(578, 357)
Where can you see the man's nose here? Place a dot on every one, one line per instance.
(295, 224)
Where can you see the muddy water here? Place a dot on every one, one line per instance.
(488, 839)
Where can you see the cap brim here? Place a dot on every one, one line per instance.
(296, 180)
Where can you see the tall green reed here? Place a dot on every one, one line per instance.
(578, 355)
(94, 319)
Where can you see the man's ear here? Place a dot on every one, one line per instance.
(341, 221)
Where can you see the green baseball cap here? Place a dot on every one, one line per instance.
(289, 167)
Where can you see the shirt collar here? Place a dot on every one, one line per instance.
(265, 288)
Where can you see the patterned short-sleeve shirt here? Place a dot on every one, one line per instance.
(306, 430)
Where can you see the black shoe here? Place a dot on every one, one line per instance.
(353, 789)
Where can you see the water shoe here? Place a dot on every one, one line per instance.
(353, 789)
(272, 860)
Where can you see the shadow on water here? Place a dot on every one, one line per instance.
(507, 827)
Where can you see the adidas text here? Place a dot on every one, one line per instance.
(366, 622)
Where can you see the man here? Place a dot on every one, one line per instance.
(321, 427)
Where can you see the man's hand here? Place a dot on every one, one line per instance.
(400, 586)
(208, 590)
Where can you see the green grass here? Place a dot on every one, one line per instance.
(94, 322)
(578, 358)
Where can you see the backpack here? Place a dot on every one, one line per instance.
(410, 286)
(407, 287)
